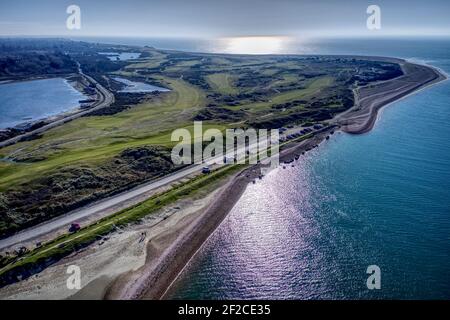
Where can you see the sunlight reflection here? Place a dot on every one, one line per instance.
(254, 45)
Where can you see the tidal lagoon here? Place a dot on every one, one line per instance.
(33, 100)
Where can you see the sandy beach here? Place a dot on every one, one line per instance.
(371, 98)
(126, 267)
(169, 254)
(116, 254)
(155, 278)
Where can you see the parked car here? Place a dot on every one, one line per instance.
(74, 227)
(206, 170)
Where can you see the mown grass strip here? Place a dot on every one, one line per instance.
(66, 244)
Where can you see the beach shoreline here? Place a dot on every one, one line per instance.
(370, 99)
(156, 280)
(171, 250)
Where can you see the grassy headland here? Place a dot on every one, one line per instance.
(128, 143)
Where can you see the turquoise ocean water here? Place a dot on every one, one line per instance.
(310, 232)
(381, 198)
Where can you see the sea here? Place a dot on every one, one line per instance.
(381, 199)
(313, 231)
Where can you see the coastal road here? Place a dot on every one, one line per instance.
(96, 208)
(130, 197)
(416, 77)
(106, 98)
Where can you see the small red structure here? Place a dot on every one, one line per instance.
(74, 227)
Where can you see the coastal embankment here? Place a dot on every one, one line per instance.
(170, 245)
(161, 270)
(371, 98)
(172, 250)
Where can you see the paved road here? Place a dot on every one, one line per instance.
(108, 203)
(67, 219)
(106, 99)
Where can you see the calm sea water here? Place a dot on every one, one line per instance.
(34, 100)
(381, 198)
(310, 232)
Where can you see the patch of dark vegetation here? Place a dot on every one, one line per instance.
(9, 133)
(95, 64)
(317, 111)
(293, 118)
(290, 104)
(318, 108)
(236, 100)
(14, 132)
(197, 78)
(213, 112)
(124, 101)
(255, 79)
(40, 64)
(70, 188)
(40, 57)
(32, 137)
(36, 125)
(111, 110)
(378, 72)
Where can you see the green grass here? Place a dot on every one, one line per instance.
(222, 82)
(19, 173)
(220, 61)
(154, 61)
(92, 140)
(68, 243)
(183, 65)
(313, 89)
(287, 79)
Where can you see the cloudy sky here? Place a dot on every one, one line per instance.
(213, 18)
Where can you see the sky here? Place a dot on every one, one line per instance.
(228, 18)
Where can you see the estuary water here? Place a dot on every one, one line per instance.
(138, 87)
(33, 100)
(382, 198)
(122, 56)
(311, 231)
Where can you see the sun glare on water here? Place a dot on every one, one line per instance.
(254, 45)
